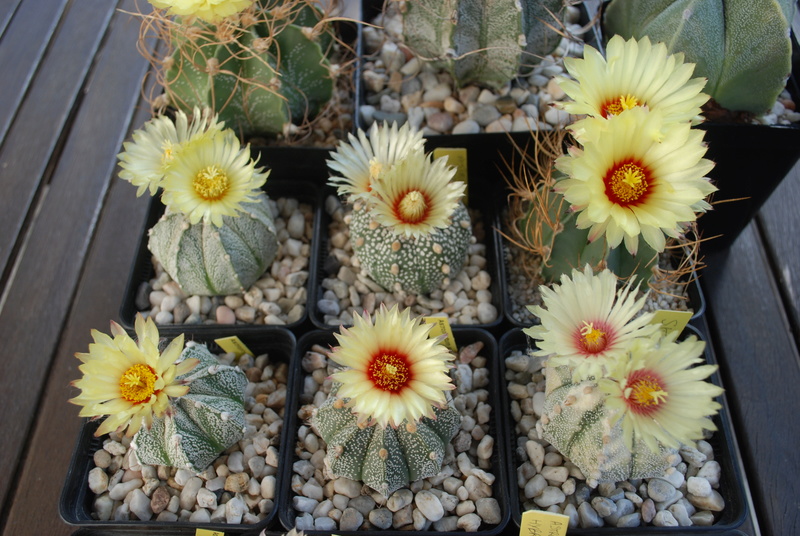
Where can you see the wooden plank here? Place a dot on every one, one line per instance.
(41, 120)
(24, 43)
(7, 10)
(759, 367)
(780, 222)
(48, 269)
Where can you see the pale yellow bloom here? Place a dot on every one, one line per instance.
(416, 196)
(632, 74)
(586, 323)
(209, 10)
(155, 146)
(393, 372)
(636, 176)
(129, 381)
(211, 178)
(660, 394)
(363, 161)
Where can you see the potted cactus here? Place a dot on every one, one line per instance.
(410, 232)
(745, 51)
(634, 183)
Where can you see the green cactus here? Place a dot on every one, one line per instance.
(479, 41)
(742, 47)
(207, 260)
(576, 421)
(385, 459)
(201, 424)
(418, 265)
(267, 75)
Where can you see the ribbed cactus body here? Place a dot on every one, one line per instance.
(480, 41)
(385, 459)
(207, 260)
(418, 265)
(201, 424)
(577, 422)
(254, 91)
(742, 47)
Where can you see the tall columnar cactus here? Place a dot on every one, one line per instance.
(417, 264)
(261, 72)
(577, 422)
(480, 41)
(743, 48)
(208, 260)
(385, 459)
(200, 424)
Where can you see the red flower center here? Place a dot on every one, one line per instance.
(592, 339)
(389, 371)
(645, 392)
(618, 105)
(412, 207)
(627, 183)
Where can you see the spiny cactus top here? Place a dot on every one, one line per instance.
(130, 381)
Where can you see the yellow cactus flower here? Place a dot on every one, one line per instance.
(416, 196)
(129, 381)
(211, 11)
(394, 373)
(211, 178)
(147, 158)
(636, 176)
(633, 74)
(660, 395)
(363, 161)
(586, 323)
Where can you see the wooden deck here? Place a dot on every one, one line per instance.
(70, 79)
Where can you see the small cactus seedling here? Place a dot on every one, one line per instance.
(743, 48)
(202, 423)
(479, 41)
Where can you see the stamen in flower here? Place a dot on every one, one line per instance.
(619, 105)
(389, 372)
(627, 184)
(644, 392)
(168, 153)
(413, 207)
(375, 169)
(593, 340)
(137, 384)
(211, 183)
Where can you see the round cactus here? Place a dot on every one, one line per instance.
(417, 264)
(576, 421)
(201, 424)
(207, 260)
(385, 459)
(270, 72)
(480, 41)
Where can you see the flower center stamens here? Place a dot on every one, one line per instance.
(167, 153)
(593, 339)
(211, 183)
(626, 184)
(412, 207)
(620, 104)
(137, 384)
(644, 393)
(389, 372)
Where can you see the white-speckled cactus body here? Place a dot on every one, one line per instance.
(480, 41)
(201, 424)
(417, 264)
(577, 422)
(385, 459)
(207, 260)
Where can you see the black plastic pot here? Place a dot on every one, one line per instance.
(480, 200)
(75, 505)
(304, 186)
(726, 452)
(498, 427)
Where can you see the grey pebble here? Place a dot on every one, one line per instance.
(351, 519)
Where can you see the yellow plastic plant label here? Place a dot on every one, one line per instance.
(233, 345)
(206, 532)
(671, 320)
(456, 157)
(441, 326)
(541, 523)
